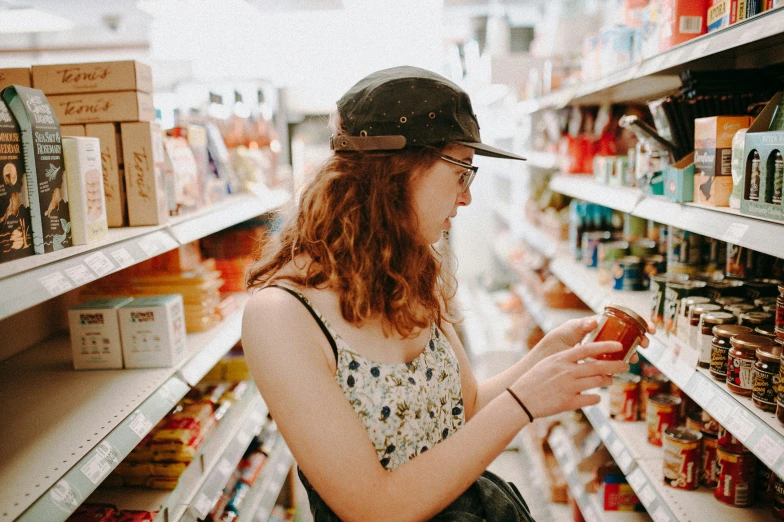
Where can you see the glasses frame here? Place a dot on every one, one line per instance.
(467, 177)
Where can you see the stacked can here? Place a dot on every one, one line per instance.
(682, 457)
(736, 481)
(661, 414)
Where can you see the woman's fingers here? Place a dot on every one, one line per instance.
(593, 350)
(585, 399)
(591, 368)
(594, 381)
(573, 331)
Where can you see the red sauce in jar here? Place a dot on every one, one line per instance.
(618, 323)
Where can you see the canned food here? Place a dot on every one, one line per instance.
(736, 478)
(627, 273)
(728, 441)
(608, 253)
(765, 483)
(624, 397)
(687, 404)
(682, 458)
(709, 466)
(684, 247)
(644, 248)
(661, 414)
(778, 497)
(590, 247)
(650, 385)
(652, 266)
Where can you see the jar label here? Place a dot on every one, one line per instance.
(718, 359)
(740, 372)
(765, 386)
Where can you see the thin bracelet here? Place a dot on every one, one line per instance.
(530, 417)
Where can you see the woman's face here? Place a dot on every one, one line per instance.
(437, 193)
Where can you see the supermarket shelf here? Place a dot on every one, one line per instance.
(538, 240)
(642, 464)
(249, 412)
(35, 279)
(568, 457)
(582, 186)
(533, 461)
(261, 499)
(547, 318)
(67, 421)
(494, 322)
(656, 75)
(473, 329)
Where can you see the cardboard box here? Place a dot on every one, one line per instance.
(43, 157)
(713, 157)
(16, 236)
(15, 76)
(95, 334)
(85, 189)
(142, 148)
(153, 331)
(681, 20)
(765, 137)
(71, 78)
(103, 107)
(679, 180)
(72, 130)
(719, 14)
(182, 176)
(113, 182)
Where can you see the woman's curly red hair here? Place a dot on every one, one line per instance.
(355, 220)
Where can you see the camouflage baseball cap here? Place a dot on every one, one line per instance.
(407, 107)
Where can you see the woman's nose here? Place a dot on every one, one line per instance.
(464, 198)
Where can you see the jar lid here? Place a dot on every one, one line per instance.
(771, 353)
(718, 318)
(725, 301)
(764, 301)
(755, 318)
(726, 283)
(683, 434)
(730, 330)
(665, 400)
(626, 378)
(703, 308)
(631, 314)
(749, 341)
(770, 308)
(768, 330)
(739, 308)
(695, 299)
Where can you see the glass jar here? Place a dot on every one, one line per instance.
(720, 347)
(724, 288)
(618, 323)
(741, 360)
(780, 314)
(739, 308)
(765, 377)
(684, 324)
(754, 319)
(695, 314)
(767, 330)
(705, 337)
(761, 302)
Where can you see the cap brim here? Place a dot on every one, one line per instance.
(486, 150)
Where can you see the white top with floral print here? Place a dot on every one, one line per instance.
(405, 408)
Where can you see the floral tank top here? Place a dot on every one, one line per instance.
(405, 408)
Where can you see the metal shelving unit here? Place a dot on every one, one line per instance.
(261, 499)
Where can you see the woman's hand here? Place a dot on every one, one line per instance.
(555, 384)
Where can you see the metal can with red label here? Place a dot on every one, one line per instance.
(682, 458)
(625, 397)
(778, 497)
(650, 385)
(765, 483)
(661, 414)
(709, 466)
(728, 441)
(736, 477)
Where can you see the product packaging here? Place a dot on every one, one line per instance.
(713, 157)
(680, 21)
(737, 168)
(113, 182)
(153, 331)
(85, 189)
(721, 14)
(15, 76)
(103, 107)
(71, 78)
(182, 176)
(43, 157)
(72, 130)
(763, 163)
(95, 334)
(142, 148)
(16, 235)
(679, 180)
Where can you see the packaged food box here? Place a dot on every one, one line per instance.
(95, 334)
(720, 14)
(111, 159)
(69, 78)
(713, 157)
(153, 331)
(142, 149)
(680, 21)
(15, 76)
(85, 189)
(105, 107)
(16, 237)
(679, 180)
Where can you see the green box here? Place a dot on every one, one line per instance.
(766, 138)
(679, 180)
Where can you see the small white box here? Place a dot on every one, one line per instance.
(95, 334)
(153, 331)
(84, 178)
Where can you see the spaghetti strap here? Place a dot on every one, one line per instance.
(315, 316)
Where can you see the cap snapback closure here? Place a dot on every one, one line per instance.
(344, 142)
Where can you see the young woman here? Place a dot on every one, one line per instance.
(349, 334)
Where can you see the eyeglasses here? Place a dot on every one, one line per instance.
(465, 177)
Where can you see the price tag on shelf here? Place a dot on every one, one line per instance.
(109, 453)
(734, 233)
(65, 496)
(703, 391)
(768, 450)
(646, 495)
(721, 408)
(741, 424)
(122, 257)
(617, 447)
(625, 460)
(99, 263)
(149, 246)
(56, 283)
(604, 431)
(140, 424)
(96, 468)
(661, 515)
(636, 479)
(167, 396)
(202, 504)
(225, 468)
(80, 274)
